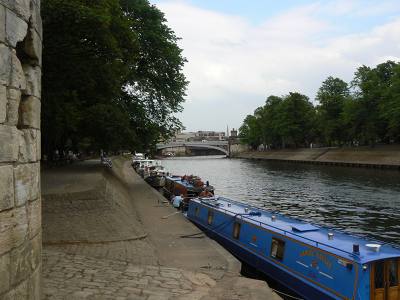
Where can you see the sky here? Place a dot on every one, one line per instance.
(240, 52)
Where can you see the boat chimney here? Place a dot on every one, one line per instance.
(229, 204)
(330, 236)
(246, 209)
(356, 248)
(273, 218)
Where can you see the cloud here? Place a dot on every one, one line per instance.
(234, 64)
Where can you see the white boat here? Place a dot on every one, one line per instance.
(156, 176)
(138, 156)
(144, 166)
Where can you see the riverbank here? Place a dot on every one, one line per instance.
(383, 157)
(108, 235)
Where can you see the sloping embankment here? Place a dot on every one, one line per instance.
(385, 157)
(107, 235)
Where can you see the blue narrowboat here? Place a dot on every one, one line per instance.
(314, 262)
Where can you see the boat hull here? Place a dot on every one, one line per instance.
(156, 181)
(286, 279)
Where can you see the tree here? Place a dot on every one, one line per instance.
(287, 121)
(389, 107)
(156, 84)
(249, 132)
(371, 86)
(331, 97)
(366, 114)
(270, 121)
(108, 66)
(296, 120)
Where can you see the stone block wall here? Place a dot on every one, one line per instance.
(237, 149)
(20, 206)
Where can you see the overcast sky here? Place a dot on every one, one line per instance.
(241, 51)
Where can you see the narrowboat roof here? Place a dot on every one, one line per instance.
(341, 244)
(178, 179)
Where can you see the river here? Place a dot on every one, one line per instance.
(356, 200)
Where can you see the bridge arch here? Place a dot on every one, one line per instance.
(220, 146)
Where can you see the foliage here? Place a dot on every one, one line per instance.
(366, 114)
(390, 107)
(155, 87)
(112, 75)
(250, 132)
(280, 122)
(332, 96)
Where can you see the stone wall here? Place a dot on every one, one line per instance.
(237, 149)
(20, 206)
(178, 151)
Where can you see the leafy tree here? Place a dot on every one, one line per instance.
(389, 75)
(112, 75)
(371, 86)
(85, 46)
(368, 113)
(156, 85)
(297, 118)
(268, 119)
(331, 97)
(249, 132)
(286, 121)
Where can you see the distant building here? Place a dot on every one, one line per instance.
(233, 138)
(183, 137)
(198, 136)
(210, 136)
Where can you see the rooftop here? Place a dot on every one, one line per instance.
(179, 180)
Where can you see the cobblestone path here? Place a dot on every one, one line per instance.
(68, 276)
(108, 238)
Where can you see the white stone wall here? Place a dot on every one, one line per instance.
(178, 151)
(237, 149)
(20, 206)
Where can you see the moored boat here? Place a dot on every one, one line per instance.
(138, 156)
(314, 262)
(156, 177)
(188, 186)
(143, 167)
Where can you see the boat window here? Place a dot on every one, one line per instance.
(393, 273)
(277, 248)
(197, 211)
(236, 230)
(210, 217)
(379, 274)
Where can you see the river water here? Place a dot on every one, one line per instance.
(356, 200)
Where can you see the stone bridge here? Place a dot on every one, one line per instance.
(222, 146)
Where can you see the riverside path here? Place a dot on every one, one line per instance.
(106, 237)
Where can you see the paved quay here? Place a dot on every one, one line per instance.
(108, 235)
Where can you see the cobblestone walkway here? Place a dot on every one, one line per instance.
(68, 276)
(112, 241)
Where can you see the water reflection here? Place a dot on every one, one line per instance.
(356, 200)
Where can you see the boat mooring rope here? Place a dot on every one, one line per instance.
(77, 242)
(220, 226)
(286, 295)
(206, 229)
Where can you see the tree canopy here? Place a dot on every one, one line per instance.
(112, 75)
(363, 113)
